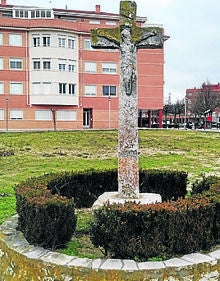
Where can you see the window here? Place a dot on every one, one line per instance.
(88, 44)
(1, 64)
(109, 67)
(71, 68)
(109, 90)
(46, 41)
(15, 39)
(62, 88)
(1, 88)
(37, 14)
(32, 14)
(17, 13)
(90, 90)
(36, 41)
(41, 89)
(36, 64)
(94, 21)
(46, 65)
(71, 43)
(110, 22)
(16, 88)
(90, 67)
(62, 67)
(66, 115)
(1, 114)
(43, 14)
(1, 38)
(62, 42)
(21, 14)
(16, 114)
(45, 115)
(36, 88)
(15, 64)
(46, 88)
(72, 88)
(48, 14)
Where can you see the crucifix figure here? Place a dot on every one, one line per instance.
(128, 38)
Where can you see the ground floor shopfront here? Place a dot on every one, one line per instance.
(88, 115)
(69, 118)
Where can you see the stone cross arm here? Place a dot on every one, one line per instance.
(104, 38)
(142, 37)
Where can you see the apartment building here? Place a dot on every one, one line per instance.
(51, 77)
(202, 105)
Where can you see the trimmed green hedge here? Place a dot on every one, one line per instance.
(86, 187)
(45, 219)
(169, 184)
(162, 229)
(46, 208)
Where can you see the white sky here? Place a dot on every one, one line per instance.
(192, 54)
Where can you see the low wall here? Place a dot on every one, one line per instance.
(20, 261)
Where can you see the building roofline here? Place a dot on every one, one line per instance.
(77, 13)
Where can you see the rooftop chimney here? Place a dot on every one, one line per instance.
(97, 9)
(3, 2)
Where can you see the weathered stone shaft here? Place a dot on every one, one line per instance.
(128, 167)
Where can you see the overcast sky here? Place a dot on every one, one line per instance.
(192, 54)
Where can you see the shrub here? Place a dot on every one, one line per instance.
(169, 184)
(86, 187)
(45, 204)
(45, 219)
(203, 185)
(162, 229)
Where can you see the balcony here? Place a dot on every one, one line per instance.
(54, 100)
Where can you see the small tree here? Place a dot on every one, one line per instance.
(174, 109)
(179, 108)
(167, 109)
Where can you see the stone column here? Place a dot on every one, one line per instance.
(128, 168)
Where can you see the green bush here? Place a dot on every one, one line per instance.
(45, 204)
(45, 219)
(147, 231)
(169, 184)
(162, 229)
(86, 187)
(203, 185)
(214, 194)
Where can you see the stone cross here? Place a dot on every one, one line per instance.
(128, 38)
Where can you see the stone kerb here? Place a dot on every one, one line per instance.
(21, 261)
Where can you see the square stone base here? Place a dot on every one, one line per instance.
(113, 198)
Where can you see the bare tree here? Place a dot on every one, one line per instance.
(205, 100)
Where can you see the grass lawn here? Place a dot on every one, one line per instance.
(25, 155)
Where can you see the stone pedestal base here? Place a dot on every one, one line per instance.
(113, 198)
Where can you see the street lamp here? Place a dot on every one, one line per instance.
(54, 119)
(109, 111)
(185, 102)
(6, 113)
